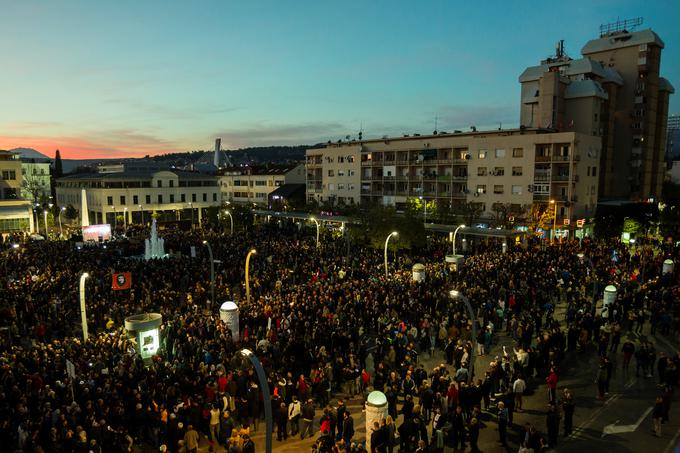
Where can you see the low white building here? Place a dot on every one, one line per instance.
(136, 194)
(254, 184)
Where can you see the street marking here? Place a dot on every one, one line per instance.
(672, 443)
(615, 429)
(580, 428)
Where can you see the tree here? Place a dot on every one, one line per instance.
(243, 216)
(71, 213)
(469, 211)
(32, 185)
(539, 216)
(58, 169)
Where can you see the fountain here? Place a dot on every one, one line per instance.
(154, 247)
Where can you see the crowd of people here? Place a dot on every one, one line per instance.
(326, 323)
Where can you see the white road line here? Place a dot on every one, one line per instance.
(673, 442)
(593, 416)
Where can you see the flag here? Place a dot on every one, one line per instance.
(121, 280)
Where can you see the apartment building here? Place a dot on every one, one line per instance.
(16, 214)
(333, 173)
(614, 91)
(138, 193)
(512, 167)
(36, 175)
(254, 184)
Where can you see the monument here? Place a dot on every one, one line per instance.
(84, 215)
(154, 247)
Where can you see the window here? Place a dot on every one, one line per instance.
(205, 197)
(135, 199)
(499, 171)
(594, 171)
(159, 183)
(171, 183)
(109, 201)
(9, 175)
(160, 199)
(183, 197)
(331, 173)
(341, 186)
(482, 154)
(341, 159)
(193, 198)
(260, 183)
(498, 189)
(172, 198)
(516, 171)
(214, 196)
(500, 153)
(350, 173)
(350, 159)
(518, 152)
(122, 200)
(331, 186)
(481, 188)
(341, 172)
(350, 186)
(481, 171)
(517, 190)
(148, 199)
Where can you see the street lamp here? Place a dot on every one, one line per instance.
(115, 221)
(231, 220)
(61, 231)
(251, 252)
(264, 386)
(454, 237)
(45, 219)
(394, 233)
(125, 218)
(471, 313)
(83, 311)
(191, 205)
(425, 211)
(212, 271)
(141, 214)
(582, 257)
(313, 219)
(554, 235)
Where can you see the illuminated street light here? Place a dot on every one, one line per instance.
(250, 253)
(454, 238)
(83, 310)
(313, 219)
(394, 233)
(264, 388)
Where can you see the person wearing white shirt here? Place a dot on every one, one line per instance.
(518, 388)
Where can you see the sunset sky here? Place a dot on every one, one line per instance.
(129, 78)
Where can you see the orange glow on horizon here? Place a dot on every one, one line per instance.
(82, 148)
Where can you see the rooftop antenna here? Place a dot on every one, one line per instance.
(620, 26)
(436, 119)
(361, 130)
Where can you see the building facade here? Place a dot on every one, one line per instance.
(137, 194)
(254, 184)
(614, 91)
(36, 179)
(515, 168)
(16, 214)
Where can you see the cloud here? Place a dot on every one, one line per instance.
(282, 134)
(33, 125)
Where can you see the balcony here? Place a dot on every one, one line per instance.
(543, 158)
(541, 178)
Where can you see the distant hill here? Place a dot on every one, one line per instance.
(30, 153)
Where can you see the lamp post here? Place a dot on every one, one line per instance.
(583, 258)
(45, 220)
(125, 218)
(313, 219)
(251, 252)
(83, 311)
(212, 271)
(115, 221)
(61, 231)
(394, 233)
(191, 204)
(36, 215)
(141, 214)
(554, 235)
(425, 210)
(264, 386)
(454, 237)
(471, 313)
(231, 220)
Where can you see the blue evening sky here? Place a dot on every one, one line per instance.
(115, 78)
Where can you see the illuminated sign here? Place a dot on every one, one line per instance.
(148, 343)
(567, 221)
(580, 223)
(95, 232)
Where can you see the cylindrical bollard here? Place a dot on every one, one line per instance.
(418, 273)
(229, 316)
(668, 267)
(608, 299)
(376, 410)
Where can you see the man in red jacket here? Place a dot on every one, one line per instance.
(551, 380)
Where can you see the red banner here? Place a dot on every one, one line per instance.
(121, 280)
